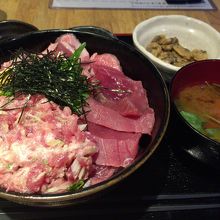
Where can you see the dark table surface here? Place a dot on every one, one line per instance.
(170, 185)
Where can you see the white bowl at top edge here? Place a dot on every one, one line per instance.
(191, 33)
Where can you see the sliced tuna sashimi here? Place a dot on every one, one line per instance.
(68, 43)
(102, 115)
(102, 173)
(116, 149)
(126, 96)
(106, 59)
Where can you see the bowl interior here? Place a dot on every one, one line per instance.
(135, 66)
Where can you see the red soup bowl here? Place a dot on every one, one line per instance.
(194, 142)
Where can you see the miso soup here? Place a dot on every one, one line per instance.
(200, 106)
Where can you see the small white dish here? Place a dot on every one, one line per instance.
(191, 33)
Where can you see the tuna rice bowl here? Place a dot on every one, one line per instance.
(70, 119)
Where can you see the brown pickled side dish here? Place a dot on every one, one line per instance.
(170, 51)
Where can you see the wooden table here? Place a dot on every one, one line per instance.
(38, 13)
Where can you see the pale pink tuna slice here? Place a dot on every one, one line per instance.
(51, 47)
(106, 59)
(126, 96)
(109, 118)
(68, 43)
(5, 65)
(116, 149)
(102, 173)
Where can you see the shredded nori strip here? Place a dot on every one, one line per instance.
(59, 78)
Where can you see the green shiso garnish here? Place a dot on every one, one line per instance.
(76, 186)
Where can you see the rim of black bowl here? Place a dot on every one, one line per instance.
(10, 29)
(94, 29)
(69, 198)
(175, 107)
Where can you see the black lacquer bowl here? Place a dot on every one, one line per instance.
(135, 66)
(12, 28)
(192, 142)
